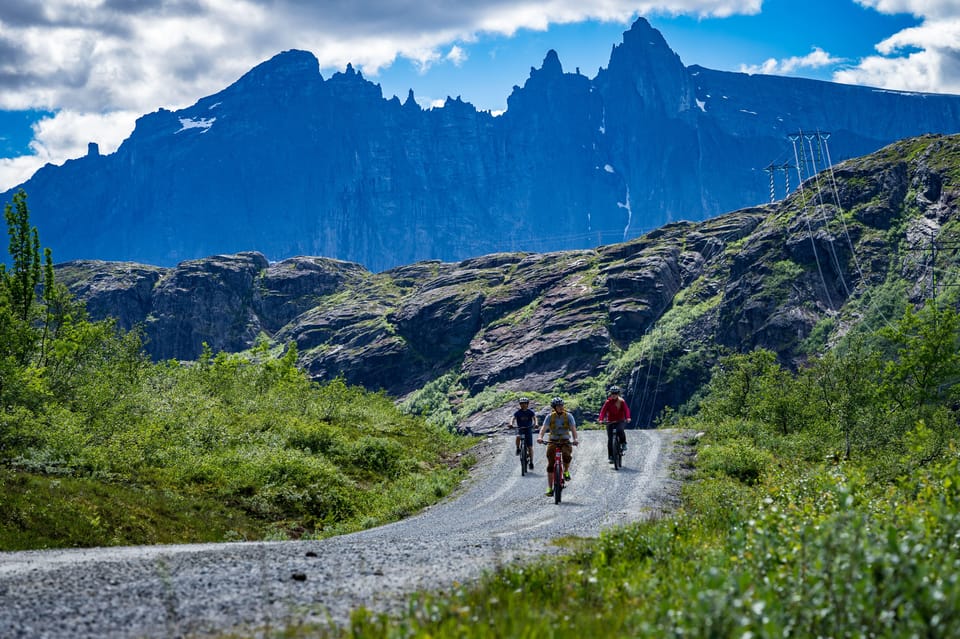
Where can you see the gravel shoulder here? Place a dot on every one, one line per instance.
(496, 518)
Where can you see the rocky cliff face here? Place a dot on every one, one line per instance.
(652, 314)
(286, 163)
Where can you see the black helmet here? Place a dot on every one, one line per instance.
(524, 400)
(556, 401)
(614, 389)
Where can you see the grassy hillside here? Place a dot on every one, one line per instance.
(228, 448)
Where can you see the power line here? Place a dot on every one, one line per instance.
(826, 224)
(803, 199)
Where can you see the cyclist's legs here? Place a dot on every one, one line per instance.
(551, 451)
(621, 433)
(610, 429)
(528, 438)
(567, 454)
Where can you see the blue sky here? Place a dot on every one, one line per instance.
(783, 30)
(75, 72)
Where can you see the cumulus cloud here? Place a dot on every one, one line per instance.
(816, 59)
(456, 55)
(922, 58)
(919, 8)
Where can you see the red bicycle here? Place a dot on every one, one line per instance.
(558, 481)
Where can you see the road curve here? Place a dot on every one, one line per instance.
(497, 518)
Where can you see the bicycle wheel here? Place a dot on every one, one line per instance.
(557, 482)
(617, 452)
(523, 458)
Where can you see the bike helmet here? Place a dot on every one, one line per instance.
(524, 400)
(556, 401)
(614, 389)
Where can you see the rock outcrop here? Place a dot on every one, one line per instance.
(652, 314)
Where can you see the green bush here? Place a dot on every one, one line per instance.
(737, 459)
(380, 455)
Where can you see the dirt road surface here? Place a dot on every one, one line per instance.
(497, 518)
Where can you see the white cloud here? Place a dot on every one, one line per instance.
(14, 171)
(919, 8)
(815, 59)
(457, 55)
(67, 135)
(921, 58)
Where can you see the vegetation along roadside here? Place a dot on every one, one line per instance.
(824, 503)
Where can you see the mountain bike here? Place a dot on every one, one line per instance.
(614, 444)
(558, 482)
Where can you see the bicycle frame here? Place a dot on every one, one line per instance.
(557, 471)
(524, 455)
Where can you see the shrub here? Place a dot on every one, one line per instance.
(738, 459)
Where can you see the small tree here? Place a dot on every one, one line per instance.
(21, 283)
(18, 288)
(736, 382)
(846, 382)
(927, 361)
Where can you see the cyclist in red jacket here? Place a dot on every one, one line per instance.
(615, 414)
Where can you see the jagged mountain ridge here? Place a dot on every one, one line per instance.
(652, 314)
(288, 163)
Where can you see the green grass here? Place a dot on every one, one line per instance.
(42, 511)
(815, 551)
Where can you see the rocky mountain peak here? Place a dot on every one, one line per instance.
(411, 102)
(286, 68)
(351, 85)
(287, 163)
(551, 66)
(646, 63)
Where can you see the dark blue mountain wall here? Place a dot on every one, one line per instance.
(288, 163)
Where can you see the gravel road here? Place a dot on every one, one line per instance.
(497, 517)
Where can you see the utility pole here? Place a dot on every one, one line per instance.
(770, 169)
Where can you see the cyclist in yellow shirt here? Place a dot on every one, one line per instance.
(563, 434)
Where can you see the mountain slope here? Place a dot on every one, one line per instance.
(850, 249)
(288, 163)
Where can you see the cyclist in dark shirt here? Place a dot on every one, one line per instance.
(525, 420)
